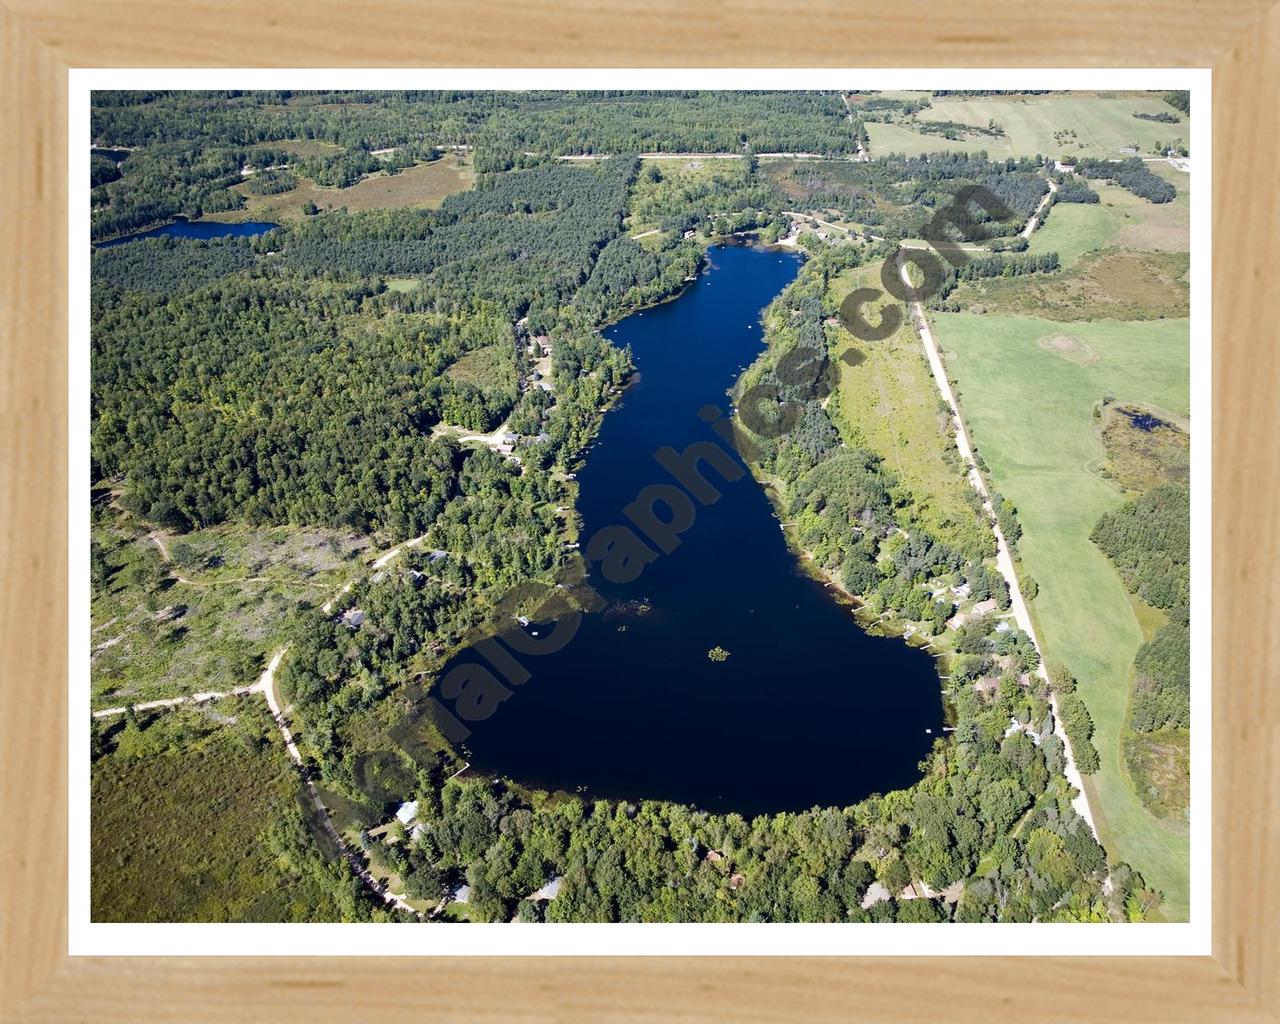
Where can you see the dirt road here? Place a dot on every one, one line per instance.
(1004, 561)
(1034, 219)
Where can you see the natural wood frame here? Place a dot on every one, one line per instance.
(40, 39)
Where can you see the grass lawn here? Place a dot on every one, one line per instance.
(1030, 410)
(154, 636)
(1103, 124)
(195, 817)
(422, 186)
(889, 404)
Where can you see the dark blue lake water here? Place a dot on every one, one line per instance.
(807, 710)
(198, 229)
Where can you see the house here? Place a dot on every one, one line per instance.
(960, 592)
(461, 894)
(353, 618)
(985, 607)
(690, 233)
(1002, 627)
(548, 892)
(957, 620)
(713, 857)
(736, 880)
(407, 812)
(435, 556)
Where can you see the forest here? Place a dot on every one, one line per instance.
(168, 265)
(189, 147)
(313, 391)
(1132, 175)
(1149, 541)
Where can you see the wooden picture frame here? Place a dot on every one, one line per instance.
(41, 39)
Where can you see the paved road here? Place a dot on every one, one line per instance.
(1004, 560)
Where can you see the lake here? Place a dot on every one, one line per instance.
(197, 229)
(807, 709)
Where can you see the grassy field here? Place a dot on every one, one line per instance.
(305, 147)
(195, 817)
(1102, 123)
(154, 636)
(1030, 410)
(1109, 284)
(489, 367)
(889, 404)
(1119, 218)
(421, 186)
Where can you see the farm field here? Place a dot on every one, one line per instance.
(1103, 124)
(888, 403)
(1029, 407)
(202, 614)
(1119, 218)
(196, 818)
(424, 185)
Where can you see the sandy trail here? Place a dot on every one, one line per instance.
(1004, 561)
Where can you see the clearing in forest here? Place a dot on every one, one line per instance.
(423, 185)
(889, 403)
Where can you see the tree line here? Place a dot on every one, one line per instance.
(1149, 540)
(1132, 175)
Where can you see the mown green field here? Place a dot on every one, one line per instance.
(1030, 411)
(1103, 124)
